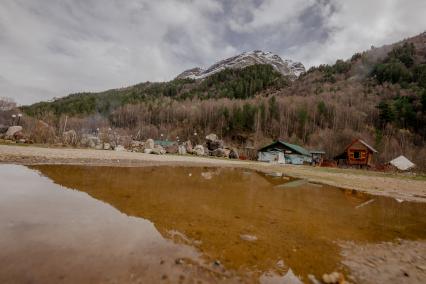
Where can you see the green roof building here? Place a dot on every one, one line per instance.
(284, 153)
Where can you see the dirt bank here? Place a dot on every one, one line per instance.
(399, 186)
(390, 262)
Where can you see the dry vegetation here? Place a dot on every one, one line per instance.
(379, 96)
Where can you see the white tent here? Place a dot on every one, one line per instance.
(402, 163)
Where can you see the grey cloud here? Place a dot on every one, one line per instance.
(52, 48)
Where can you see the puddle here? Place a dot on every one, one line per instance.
(218, 218)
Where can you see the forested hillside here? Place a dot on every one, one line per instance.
(229, 83)
(379, 95)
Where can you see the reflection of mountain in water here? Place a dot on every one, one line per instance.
(214, 207)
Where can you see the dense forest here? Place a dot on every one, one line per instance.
(233, 84)
(378, 95)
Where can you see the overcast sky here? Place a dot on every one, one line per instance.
(50, 48)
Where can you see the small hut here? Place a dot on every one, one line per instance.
(402, 163)
(317, 157)
(358, 153)
(284, 153)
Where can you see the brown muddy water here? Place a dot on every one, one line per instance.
(183, 225)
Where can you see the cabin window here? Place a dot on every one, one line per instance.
(357, 155)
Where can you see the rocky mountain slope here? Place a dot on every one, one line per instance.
(285, 67)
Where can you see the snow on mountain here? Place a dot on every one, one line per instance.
(285, 67)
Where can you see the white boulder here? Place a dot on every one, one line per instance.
(107, 146)
(158, 150)
(11, 131)
(149, 144)
(119, 148)
(211, 137)
(182, 150)
(199, 150)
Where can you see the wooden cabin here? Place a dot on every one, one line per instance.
(284, 153)
(358, 153)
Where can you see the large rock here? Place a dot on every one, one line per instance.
(211, 137)
(18, 136)
(149, 144)
(137, 146)
(119, 148)
(11, 131)
(219, 152)
(227, 151)
(333, 278)
(234, 154)
(3, 129)
(158, 150)
(182, 150)
(90, 141)
(172, 149)
(188, 146)
(213, 145)
(213, 142)
(199, 150)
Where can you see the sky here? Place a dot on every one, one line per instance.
(51, 48)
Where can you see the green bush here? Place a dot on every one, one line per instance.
(419, 75)
(404, 53)
(394, 72)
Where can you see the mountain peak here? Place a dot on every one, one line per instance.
(285, 67)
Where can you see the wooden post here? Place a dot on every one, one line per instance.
(65, 124)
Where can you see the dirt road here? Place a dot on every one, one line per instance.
(399, 186)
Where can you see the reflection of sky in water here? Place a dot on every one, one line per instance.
(247, 221)
(49, 234)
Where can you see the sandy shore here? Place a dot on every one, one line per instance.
(390, 262)
(399, 186)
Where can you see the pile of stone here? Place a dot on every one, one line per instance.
(137, 146)
(3, 129)
(172, 148)
(93, 141)
(187, 148)
(182, 150)
(213, 142)
(213, 146)
(119, 148)
(216, 148)
(13, 134)
(199, 150)
(151, 148)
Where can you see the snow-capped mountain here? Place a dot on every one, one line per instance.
(285, 67)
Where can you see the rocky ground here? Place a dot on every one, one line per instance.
(390, 262)
(399, 186)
